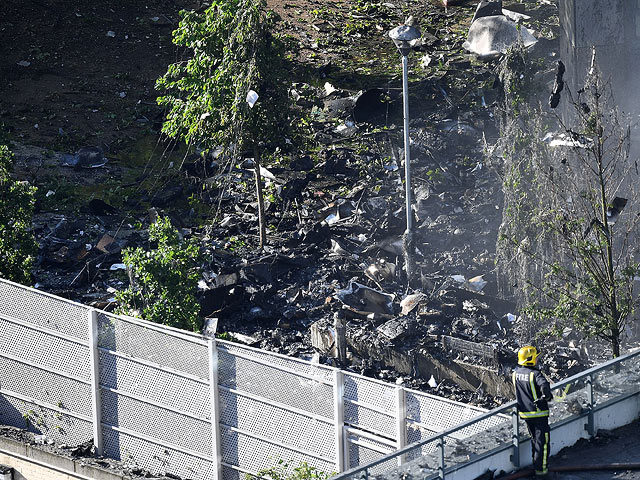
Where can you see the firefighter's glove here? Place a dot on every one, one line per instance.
(540, 403)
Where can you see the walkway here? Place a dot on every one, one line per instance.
(618, 446)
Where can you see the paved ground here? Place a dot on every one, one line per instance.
(617, 446)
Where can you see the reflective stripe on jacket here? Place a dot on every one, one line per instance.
(531, 385)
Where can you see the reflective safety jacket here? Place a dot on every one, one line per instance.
(532, 392)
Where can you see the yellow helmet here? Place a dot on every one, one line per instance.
(527, 356)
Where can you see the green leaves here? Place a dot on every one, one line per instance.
(557, 237)
(163, 280)
(17, 243)
(304, 471)
(232, 50)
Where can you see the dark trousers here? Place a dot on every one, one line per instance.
(540, 442)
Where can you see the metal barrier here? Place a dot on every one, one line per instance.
(172, 401)
(611, 389)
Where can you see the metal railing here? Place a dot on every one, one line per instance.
(578, 397)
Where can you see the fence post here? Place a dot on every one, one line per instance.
(515, 438)
(441, 464)
(590, 426)
(401, 421)
(216, 451)
(94, 366)
(338, 416)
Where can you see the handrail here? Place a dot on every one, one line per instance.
(492, 413)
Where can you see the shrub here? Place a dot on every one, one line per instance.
(17, 243)
(163, 280)
(304, 471)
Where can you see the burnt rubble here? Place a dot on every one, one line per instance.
(84, 454)
(334, 245)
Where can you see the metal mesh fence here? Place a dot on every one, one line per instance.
(155, 397)
(364, 450)
(44, 365)
(308, 388)
(433, 414)
(156, 457)
(154, 391)
(255, 454)
(370, 405)
(152, 343)
(296, 398)
(39, 308)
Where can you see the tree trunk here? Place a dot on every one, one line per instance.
(262, 228)
(615, 342)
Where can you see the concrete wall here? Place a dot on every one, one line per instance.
(36, 463)
(564, 435)
(612, 27)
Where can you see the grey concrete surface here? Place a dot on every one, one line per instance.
(617, 446)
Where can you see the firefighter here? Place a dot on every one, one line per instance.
(532, 394)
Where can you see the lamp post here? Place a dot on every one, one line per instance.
(404, 37)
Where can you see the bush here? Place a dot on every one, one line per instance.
(304, 471)
(163, 280)
(17, 243)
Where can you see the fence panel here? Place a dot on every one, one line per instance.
(278, 406)
(44, 364)
(155, 397)
(40, 308)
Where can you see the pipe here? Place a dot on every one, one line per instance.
(575, 468)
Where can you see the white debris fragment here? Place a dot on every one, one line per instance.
(252, 98)
(564, 140)
(118, 266)
(266, 174)
(331, 219)
(515, 16)
(111, 34)
(329, 89)
(50, 193)
(459, 278)
(511, 317)
(432, 382)
(410, 302)
(425, 61)
(24, 63)
(493, 35)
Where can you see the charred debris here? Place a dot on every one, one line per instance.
(333, 262)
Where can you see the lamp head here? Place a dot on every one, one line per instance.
(404, 37)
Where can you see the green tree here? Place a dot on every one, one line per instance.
(17, 243)
(567, 243)
(233, 54)
(163, 280)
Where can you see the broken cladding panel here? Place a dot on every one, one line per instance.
(486, 352)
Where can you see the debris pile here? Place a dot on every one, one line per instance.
(336, 218)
